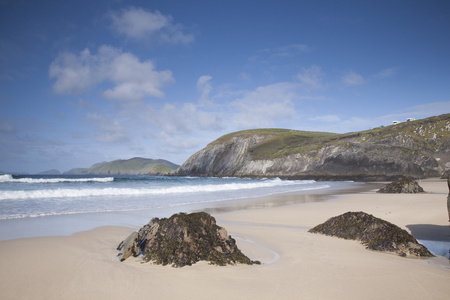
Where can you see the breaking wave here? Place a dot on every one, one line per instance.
(142, 191)
(10, 179)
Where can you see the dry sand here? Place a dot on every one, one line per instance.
(296, 264)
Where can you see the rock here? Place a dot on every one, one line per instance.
(129, 247)
(448, 198)
(417, 149)
(403, 185)
(184, 239)
(374, 233)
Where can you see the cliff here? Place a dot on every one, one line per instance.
(133, 166)
(416, 149)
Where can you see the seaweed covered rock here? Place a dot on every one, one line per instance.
(183, 239)
(403, 185)
(374, 233)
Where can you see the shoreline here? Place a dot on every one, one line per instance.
(295, 263)
(68, 224)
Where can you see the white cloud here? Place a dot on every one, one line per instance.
(386, 73)
(139, 24)
(205, 88)
(187, 118)
(265, 106)
(110, 130)
(311, 78)
(133, 80)
(352, 79)
(75, 74)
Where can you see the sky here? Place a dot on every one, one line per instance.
(88, 81)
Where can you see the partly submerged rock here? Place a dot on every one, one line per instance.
(374, 233)
(183, 239)
(403, 185)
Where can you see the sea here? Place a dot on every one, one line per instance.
(55, 205)
(31, 196)
(52, 205)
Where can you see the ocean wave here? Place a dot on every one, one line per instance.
(62, 213)
(9, 178)
(182, 189)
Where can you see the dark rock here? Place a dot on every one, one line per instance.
(374, 233)
(184, 239)
(403, 185)
(448, 198)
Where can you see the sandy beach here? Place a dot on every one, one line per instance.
(295, 264)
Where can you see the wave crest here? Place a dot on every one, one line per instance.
(9, 178)
(183, 189)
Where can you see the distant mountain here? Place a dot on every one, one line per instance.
(133, 166)
(50, 172)
(76, 171)
(417, 149)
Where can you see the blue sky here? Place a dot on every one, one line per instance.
(89, 81)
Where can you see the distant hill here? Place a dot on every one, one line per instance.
(50, 172)
(133, 166)
(417, 149)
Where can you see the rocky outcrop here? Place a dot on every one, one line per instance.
(374, 233)
(415, 149)
(403, 185)
(183, 239)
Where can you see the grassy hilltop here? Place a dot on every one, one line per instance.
(418, 149)
(133, 166)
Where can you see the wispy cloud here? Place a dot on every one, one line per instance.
(282, 52)
(265, 106)
(187, 118)
(311, 78)
(326, 119)
(140, 24)
(352, 79)
(132, 79)
(5, 125)
(109, 129)
(205, 88)
(289, 50)
(386, 73)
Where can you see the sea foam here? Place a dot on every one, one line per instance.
(114, 191)
(10, 179)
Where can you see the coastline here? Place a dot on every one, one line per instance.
(296, 264)
(68, 224)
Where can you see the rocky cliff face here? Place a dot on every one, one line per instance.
(416, 149)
